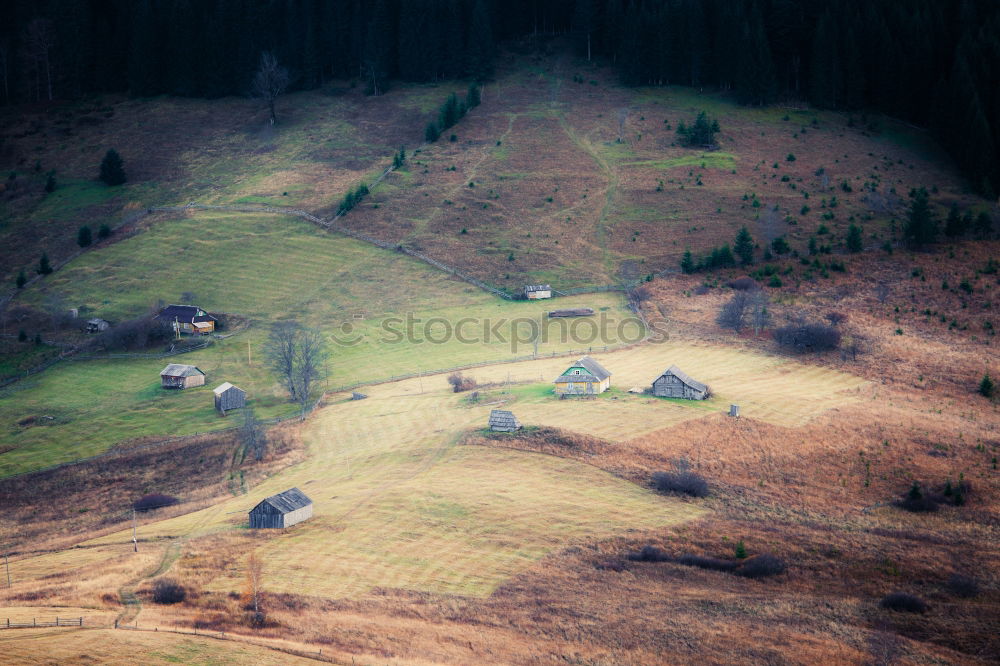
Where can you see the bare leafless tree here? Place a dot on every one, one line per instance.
(269, 82)
(253, 435)
(39, 40)
(298, 356)
(734, 313)
(253, 589)
(759, 314)
(622, 117)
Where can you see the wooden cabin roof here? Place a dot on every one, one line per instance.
(180, 370)
(503, 418)
(285, 502)
(680, 374)
(189, 314)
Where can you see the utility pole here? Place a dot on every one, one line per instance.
(135, 542)
(6, 565)
(249, 360)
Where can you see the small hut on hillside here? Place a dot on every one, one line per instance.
(586, 376)
(97, 325)
(536, 291)
(180, 376)
(281, 510)
(229, 397)
(502, 420)
(674, 383)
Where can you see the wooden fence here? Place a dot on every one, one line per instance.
(58, 622)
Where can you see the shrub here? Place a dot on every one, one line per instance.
(50, 183)
(649, 554)
(154, 501)
(903, 603)
(104, 232)
(775, 282)
(460, 383)
(684, 482)
(21, 280)
(22, 336)
(84, 237)
(808, 337)
(745, 283)
(138, 333)
(780, 245)
(762, 566)
(44, 267)
(112, 168)
(168, 591)
(790, 157)
(965, 587)
(710, 563)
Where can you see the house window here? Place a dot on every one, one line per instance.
(576, 372)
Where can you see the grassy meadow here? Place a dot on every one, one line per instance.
(265, 269)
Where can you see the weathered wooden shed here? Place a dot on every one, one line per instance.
(674, 383)
(536, 291)
(586, 376)
(229, 397)
(281, 510)
(180, 376)
(97, 325)
(502, 420)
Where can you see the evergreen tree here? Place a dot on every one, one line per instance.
(743, 246)
(479, 55)
(584, 24)
(825, 74)
(986, 387)
(687, 262)
(854, 239)
(756, 82)
(84, 237)
(143, 53)
(38, 339)
(431, 132)
(450, 113)
(50, 183)
(22, 279)
(701, 133)
(22, 336)
(954, 226)
(44, 267)
(921, 227)
(472, 97)
(740, 550)
(984, 225)
(780, 245)
(112, 168)
(103, 232)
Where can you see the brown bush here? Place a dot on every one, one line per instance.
(168, 591)
(903, 603)
(460, 383)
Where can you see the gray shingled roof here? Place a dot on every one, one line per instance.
(184, 313)
(679, 374)
(503, 419)
(225, 386)
(537, 287)
(180, 370)
(288, 501)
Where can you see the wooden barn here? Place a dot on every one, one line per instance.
(281, 510)
(180, 376)
(536, 291)
(229, 397)
(674, 383)
(187, 319)
(586, 376)
(502, 420)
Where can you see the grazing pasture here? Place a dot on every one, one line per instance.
(398, 503)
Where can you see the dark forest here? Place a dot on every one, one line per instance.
(933, 63)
